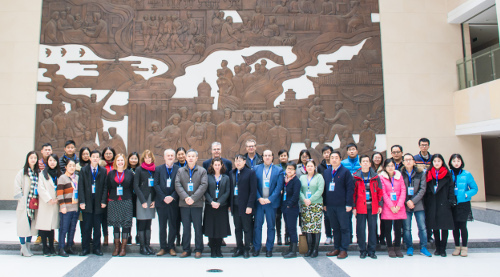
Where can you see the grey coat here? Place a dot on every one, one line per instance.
(419, 183)
(200, 185)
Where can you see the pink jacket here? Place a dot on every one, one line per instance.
(399, 189)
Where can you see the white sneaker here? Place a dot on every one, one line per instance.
(328, 241)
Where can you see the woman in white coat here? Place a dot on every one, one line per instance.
(25, 192)
(48, 211)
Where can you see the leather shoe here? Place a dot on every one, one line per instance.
(84, 252)
(333, 253)
(63, 253)
(256, 253)
(161, 252)
(238, 253)
(373, 256)
(269, 254)
(172, 252)
(69, 250)
(362, 255)
(185, 254)
(97, 252)
(197, 255)
(246, 254)
(342, 255)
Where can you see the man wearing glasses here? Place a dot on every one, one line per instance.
(253, 158)
(397, 156)
(423, 159)
(216, 153)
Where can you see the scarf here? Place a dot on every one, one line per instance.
(31, 194)
(84, 163)
(109, 166)
(442, 172)
(52, 172)
(289, 179)
(456, 170)
(150, 167)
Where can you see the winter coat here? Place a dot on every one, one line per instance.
(22, 186)
(419, 186)
(438, 213)
(399, 189)
(465, 185)
(48, 214)
(352, 164)
(376, 192)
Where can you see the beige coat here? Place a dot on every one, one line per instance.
(21, 190)
(48, 215)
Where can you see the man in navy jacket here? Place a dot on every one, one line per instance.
(338, 202)
(216, 153)
(167, 202)
(269, 186)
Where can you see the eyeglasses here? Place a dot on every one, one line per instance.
(250, 146)
(396, 152)
(424, 145)
(406, 160)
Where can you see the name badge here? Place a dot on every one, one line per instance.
(93, 188)
(367, 195)
(216, 193)
(393, 196)
(284, 196)
(74, 200)
(456, 190)
(435, 188)
(169, 182)
(308, 194)
(190, 186)
(411, 190)
(236, 191)
(119, 191)
(266, 184)
(36, 191)
(332, 186)
(151, 182)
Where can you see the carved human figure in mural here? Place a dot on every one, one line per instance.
(192, 30)
(355, 20)
(263, 127)
(227, 97)
(279, 137)
(153, 31)
(321, 143)
(158, 44)
(78, 23)
(228, 32)
(314, 110)
(154, 139)
(258, 20)
(342, 121)
(96, 108)
(196, 134)
(105, 142)
(217, 21)
(117, 141)
(211, 131)
(165, 31)
(145, 32)
(99, 30)
(248, 77)
(248, 133)
(225, 70)
(172, 134)
(306, 6)
(63, 23)
(69, 16)
(89, 141)
(176, 29)
(83, 112)
(74, 124)
(257, 72)
(48, 129)
(281, 8)
(49, 32)
(263, 66)
(294, 6)
(60, 120)
(247, 116)
(272, 28)
(228, 133)
(184, 124)
(238, 81)
(327, 8)
(345, 139)
(367, 138)
(315, 154)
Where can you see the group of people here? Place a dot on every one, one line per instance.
(103, 189)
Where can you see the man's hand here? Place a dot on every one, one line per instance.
(410, 204)
(82, 206)
(248, 211)
(168, 199)
(348, 209)
(262, 201)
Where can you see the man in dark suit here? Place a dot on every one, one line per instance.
(269, 186)
(253, 158)
(243, 195)
(167, 202)
(92, 196)
(216, 153)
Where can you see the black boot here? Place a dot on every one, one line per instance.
(147, 241)
(284, 253)
(293, 251)
(287, 239)
(317, 238)
(310, 244)
(279, 239)
(142, 239)
(218, 251)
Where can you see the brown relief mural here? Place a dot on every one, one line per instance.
(346, 103)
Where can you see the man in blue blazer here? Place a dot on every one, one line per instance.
(216, 153)
(270, 184)
(167, 202)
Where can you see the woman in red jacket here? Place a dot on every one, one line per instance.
(367, 206)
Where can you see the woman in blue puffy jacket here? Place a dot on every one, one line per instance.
(465, 188)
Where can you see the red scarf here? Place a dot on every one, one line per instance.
(150, 167)
(432, 173)
(109, 166)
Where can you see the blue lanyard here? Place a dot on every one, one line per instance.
(367, 179)
(237, 174)
(308, 182)
(169, 172)
(75, 183)
(151, 175)
(392, 183)
(120, 178)
(94, 176)
(217, 181)
(437, 180)
(328, 166)
(334, 172)
(424, 161)
(191, 173)
(455, 177)
(55, 180)
(183, 165)
(397, 166)
(251, 162)
(267, 173)
(409, 176)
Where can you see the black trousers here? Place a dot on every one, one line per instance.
(168, 216)
(398, 225)
(192, 215)
(91, 222)
(242, 225)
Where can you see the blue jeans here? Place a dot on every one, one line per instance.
(422, 230)
(270, 214)
(67, 226)
(361, 221)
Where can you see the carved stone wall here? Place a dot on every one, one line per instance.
(181, 33)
